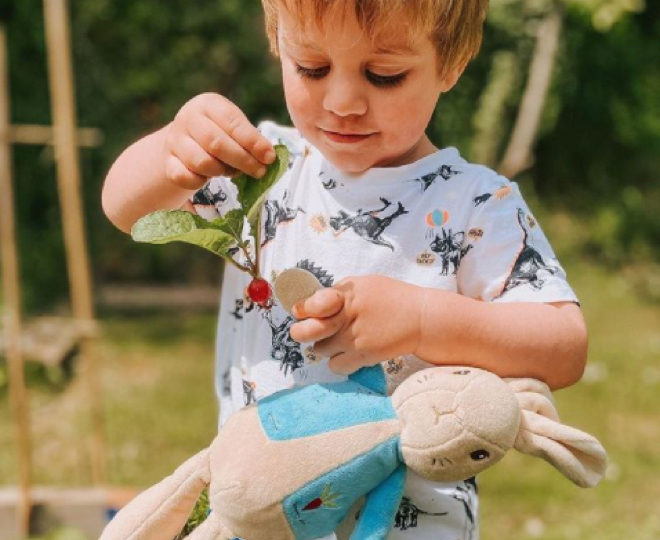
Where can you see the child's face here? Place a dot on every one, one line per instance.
(362, 104)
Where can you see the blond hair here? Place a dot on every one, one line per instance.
(454, 26)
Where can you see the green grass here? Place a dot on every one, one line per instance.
(160, 409)
(157, 376)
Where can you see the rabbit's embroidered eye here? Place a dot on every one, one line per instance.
(479, 455)
(461, 372)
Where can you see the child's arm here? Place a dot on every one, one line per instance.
(368, 319)
(209, 136)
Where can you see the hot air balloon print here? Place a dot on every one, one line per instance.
(437, 218)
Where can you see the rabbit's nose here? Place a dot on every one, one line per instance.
(439, 412)
(442, 401)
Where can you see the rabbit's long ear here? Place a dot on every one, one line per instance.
(534, 395)
(161, 511)
(577, 455)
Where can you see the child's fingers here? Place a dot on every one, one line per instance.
(323, 303)
(233, 154)
(344, 363)
(331, 346)
(316, 330)
(198, 160)
(223, 148)
(181, 176)
(238, 128)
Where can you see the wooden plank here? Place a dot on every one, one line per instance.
(140, 296)
(35, 134)
(12, 300)
(62, 93)
(49, 340)
(86, 510)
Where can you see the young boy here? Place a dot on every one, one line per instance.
(422, 253)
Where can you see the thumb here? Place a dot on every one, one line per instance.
(322, 304)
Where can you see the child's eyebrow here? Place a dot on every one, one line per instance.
(395, 49)
(299, 42)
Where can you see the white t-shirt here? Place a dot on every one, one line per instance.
(439, 222)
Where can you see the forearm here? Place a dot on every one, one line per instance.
(543, 341)
(137, 184)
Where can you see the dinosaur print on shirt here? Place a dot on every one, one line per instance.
(284, 349)
(529, 264)
(276, 213)
(444, 171)
(449, 246)
(367, 224)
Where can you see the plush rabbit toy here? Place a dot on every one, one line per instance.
(290, 466)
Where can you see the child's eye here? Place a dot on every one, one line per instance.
(381, 81)
(385, 81)
(312, 72)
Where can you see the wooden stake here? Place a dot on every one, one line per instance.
(12, 298)
(68, 172)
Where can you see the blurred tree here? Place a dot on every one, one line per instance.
(6, 10)
(592, 134)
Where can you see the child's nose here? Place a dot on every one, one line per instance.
(344, 98)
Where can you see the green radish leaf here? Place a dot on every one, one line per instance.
(165, 226)
(252, 191)
(232, 223)
(222, 234)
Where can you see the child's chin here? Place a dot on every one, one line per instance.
(354, 165)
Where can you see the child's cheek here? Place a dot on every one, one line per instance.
(300, 101)
(411, 113)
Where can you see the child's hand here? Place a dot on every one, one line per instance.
(210, 136)
(361, 321)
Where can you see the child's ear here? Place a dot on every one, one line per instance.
(451, 78)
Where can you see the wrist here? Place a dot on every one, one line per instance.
(434, 343)
(417, 319)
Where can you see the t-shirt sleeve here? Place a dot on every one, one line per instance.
(507, 256)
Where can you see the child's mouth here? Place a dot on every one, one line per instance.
(347, 138)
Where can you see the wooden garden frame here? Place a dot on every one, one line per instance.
(66, 139)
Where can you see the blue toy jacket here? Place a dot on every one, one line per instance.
(312, 426)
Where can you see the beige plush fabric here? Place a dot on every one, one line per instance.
(457, 421)
(453, 422)
(577, 455)
(162, 510)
